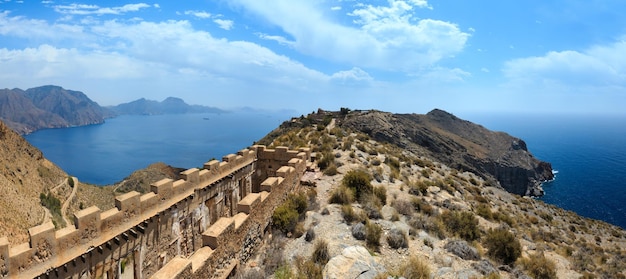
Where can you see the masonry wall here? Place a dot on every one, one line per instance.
(193, 227)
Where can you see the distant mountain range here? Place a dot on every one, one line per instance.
(52, 106)
(171, 105)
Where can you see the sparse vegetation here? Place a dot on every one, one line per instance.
(539, 267)
(502, 246)
(373, 232)
(359, 181)
(462, 224)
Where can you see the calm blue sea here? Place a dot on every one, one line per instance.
(589, 153)
(106, 153)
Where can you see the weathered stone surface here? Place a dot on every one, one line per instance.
(354, 262)
(462, 249)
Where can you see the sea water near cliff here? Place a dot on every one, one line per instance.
(587, 152)
(106, 153)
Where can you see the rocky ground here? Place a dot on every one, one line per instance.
(421, 194)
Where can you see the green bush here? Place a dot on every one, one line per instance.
(502, 246)
(539, 267)
(298, 202)
(70, 181)
(283, 272)
(359, 181)
(341, 195)
(462, 224)
(285, 218)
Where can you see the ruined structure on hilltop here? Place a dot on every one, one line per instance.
(201, 226)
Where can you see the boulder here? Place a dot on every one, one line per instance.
(354, 262)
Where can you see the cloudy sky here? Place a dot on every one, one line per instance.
(558, 56)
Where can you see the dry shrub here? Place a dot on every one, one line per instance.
(320, 252)
(371, 205)
(461, 223)
(348, 213)
(502, 246)
(397, 239)
(421, 205)
(414, 269)
(359, 181)
(403, 207)
(342, 195)
(373, 232)
(381, 193)
(539, 267)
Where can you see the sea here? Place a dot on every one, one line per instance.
(587, 153)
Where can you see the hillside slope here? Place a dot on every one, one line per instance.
(418, 217)
(24, 175)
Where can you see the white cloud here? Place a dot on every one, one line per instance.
(224, 23)
(383, 37)
(35, 29)
(335, 8)
(199, 14)
(84, 9)
(280, 39)
(598, 66)
(351, 77)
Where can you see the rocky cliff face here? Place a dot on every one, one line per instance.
(48, 107)
(496, 156)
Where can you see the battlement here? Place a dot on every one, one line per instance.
(224, 183)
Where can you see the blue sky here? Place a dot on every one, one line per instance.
(561, 56)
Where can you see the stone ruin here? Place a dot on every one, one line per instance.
(201, 226)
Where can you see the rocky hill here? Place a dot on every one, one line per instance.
(378, 208)
(171, 105)
(48, 107)
(497, 157)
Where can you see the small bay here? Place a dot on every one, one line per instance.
(106, 153)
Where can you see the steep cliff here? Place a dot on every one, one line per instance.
(460, 144)
(48, 107)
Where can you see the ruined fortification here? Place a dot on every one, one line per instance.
(200, 226)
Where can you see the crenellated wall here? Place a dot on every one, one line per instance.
(199, 226)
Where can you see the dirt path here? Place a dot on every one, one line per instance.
(66, 203)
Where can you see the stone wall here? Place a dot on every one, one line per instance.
(200, 226)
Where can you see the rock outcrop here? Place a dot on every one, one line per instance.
(496, 156)
(354, 262)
